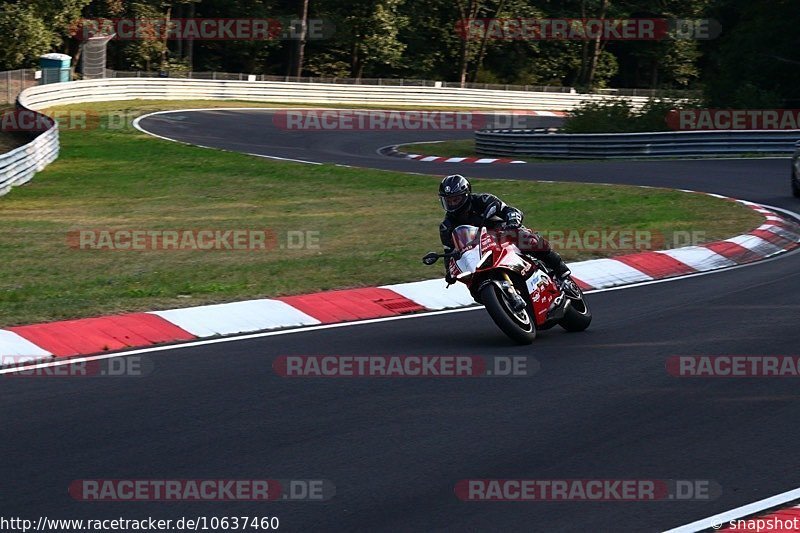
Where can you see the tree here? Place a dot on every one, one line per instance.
(752, 63)
(301, 39)
(24, 37)
(30, 29)
(367, 35)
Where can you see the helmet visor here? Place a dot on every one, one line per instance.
(454, 202)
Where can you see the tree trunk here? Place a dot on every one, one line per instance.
(165, 38)
(301, 42)
(582, 73)
(356, 63)
(467, 11)
(179, 44)
(462, 78)
(596, 49)
(484, 42)
(354, 59)
(654, 75)
(190, 42)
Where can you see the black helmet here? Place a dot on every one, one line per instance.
(454, 193)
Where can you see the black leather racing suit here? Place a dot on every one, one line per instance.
(488, 210)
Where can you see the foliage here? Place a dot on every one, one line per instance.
(618, 116)
(752, 62)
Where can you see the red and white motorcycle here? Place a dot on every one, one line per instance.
(519, 292)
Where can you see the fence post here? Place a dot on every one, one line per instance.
(21, 85)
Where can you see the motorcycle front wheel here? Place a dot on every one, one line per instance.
(519, 326)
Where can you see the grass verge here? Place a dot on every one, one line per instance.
(373, 226)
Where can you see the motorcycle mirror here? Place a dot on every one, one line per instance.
(430, 258)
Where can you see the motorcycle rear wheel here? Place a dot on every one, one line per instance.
(577, 315)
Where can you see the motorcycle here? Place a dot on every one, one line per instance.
(519, 292)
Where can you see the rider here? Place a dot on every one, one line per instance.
(465, 208)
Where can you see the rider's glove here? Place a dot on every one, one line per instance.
(449, 279)
(514, 219)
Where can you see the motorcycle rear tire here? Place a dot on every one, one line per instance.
(577, 316)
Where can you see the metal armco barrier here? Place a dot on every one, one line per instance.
(19, 165)
(316, 93)
(521, 143)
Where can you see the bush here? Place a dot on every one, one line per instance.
(609, 116)
(617, 116)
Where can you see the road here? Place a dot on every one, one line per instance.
(601, 406)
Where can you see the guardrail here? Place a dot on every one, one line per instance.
(309, 93)
(522, 143)
(407, 82)
(14, 81)
(19, 165)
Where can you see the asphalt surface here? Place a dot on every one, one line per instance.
(601, 406)
(253, 131)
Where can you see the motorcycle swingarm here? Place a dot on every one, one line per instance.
(555, 314)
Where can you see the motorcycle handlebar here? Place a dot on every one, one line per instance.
(431, 257)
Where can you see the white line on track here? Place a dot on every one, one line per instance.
(706, 523)
(722, 519)
(305, 329)
(361, 322)
(141, 128)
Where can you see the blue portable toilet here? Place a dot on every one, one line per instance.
(55, 68)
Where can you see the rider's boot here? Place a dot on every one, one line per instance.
(554, 262)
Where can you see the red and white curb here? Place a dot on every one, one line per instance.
(476, 160)
(393, 151)
(41, 342)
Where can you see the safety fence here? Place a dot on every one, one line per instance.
(13, 82)
(19, 165)
(529, 143)
(296, 92)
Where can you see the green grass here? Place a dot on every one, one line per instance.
(459, 148)
(373, 226)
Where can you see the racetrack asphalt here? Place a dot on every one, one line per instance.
(601, 406)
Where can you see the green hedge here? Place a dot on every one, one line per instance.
(617, 116)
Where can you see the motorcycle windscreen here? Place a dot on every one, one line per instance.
(464, 237)
(470, 261)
